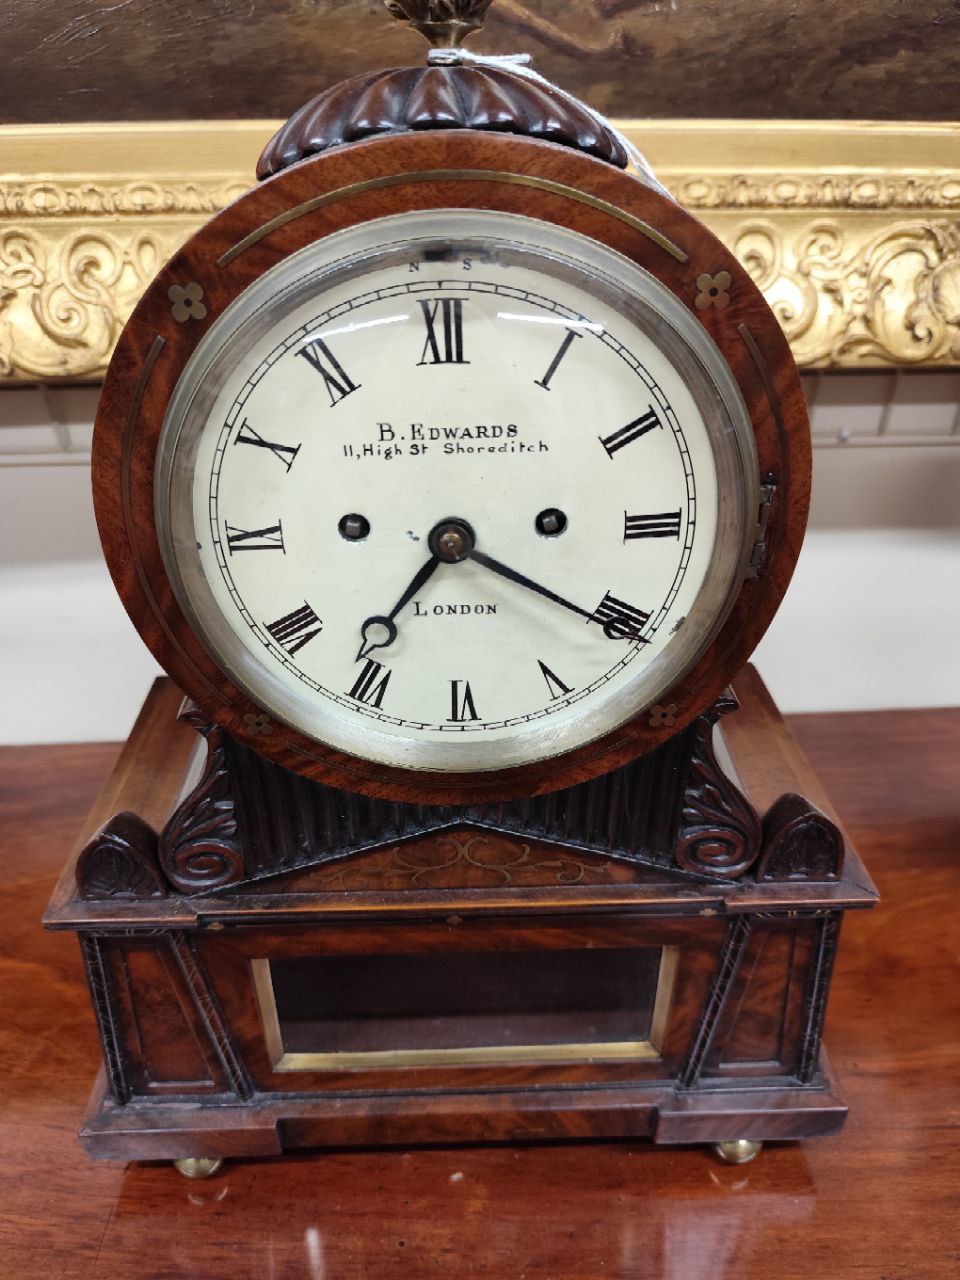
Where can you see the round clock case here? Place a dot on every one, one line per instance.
(534, 207)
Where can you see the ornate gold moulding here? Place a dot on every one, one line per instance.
(851, 230)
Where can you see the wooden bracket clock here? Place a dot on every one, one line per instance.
(453, 474)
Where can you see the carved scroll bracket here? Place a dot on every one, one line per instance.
(700, 824)
(720, 830)
(199, 849)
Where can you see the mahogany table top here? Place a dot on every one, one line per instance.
(879, 1201)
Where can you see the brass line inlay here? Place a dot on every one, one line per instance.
(520, 1054)
(773, 399)
(595, 1051)
(763, 370)
(143, 581)
(451, 175)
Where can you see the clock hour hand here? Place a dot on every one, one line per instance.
(380, 630)
(614, 627)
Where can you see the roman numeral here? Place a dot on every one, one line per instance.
(632, 431)
(461, 702)
(664, 524)
(269, 539)
(294, 630)
(337, 380)
(620, 621)
(285, 452)
(447, 346)
(555, 363)
(554, 683)
(370, 684)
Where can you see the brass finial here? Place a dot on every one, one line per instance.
(445, 23)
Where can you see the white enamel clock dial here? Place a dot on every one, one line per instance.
(456, 490)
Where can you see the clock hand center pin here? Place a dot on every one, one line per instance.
(451, 540)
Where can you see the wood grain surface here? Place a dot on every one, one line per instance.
(879, 1200)
(140, 59)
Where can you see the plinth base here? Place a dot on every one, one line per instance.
(268, 1127)
(456, 988)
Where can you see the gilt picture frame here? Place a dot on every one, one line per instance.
(851, 230)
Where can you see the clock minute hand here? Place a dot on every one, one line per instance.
(617, 622)
(384, 623)
(523, 581)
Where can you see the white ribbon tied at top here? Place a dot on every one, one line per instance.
(520, 64)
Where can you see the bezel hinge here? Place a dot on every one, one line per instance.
(759, 551)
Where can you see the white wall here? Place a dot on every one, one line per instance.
(872, 616)
(871, 619)
(72, 667)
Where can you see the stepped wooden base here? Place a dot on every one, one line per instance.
(164, 1131)
(338, 1004)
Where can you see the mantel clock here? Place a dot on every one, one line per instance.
(452, 474)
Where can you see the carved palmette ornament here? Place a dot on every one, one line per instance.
(720, 832)
(120, 861)
(199, 849)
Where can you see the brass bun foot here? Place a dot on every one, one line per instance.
(740, 1151)
(198, 1166)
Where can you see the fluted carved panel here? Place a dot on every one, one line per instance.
(435, 97)
(285, 821)
(672, 810)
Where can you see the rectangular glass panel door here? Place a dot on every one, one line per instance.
(463, 1006)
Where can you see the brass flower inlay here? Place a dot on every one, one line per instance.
(713, 290)
(187, 301)
(257, 722)
(663, 716)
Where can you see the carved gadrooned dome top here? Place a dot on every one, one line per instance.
(437, 97)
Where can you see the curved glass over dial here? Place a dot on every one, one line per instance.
(456, 490)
